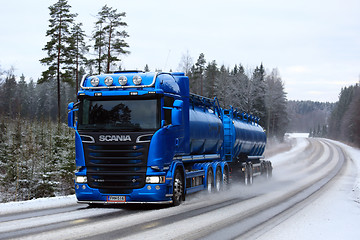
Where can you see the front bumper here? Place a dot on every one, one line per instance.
(149, 194)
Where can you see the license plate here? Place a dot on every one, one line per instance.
(116, 198)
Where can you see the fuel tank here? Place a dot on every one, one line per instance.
(206, 131)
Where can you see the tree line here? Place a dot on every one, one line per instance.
(253, 91)
(344, 121)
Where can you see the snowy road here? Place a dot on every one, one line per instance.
(310, 170)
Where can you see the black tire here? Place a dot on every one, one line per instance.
(178, 188)
(268, 170)
(210, 180)
(251, 175)
(218, 180)
(248, 178)
(225, 179)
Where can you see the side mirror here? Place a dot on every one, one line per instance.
(176, 113)
(71, 115)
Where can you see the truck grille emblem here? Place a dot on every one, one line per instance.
(114, 138)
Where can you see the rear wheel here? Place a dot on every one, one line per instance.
(210, 180)
(248, 175)
(251, 175)
(178, 188)
(225, 179)
(218, 179)
(268, 170)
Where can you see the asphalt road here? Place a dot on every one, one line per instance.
(243, 212)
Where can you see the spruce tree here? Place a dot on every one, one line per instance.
(59, 59)
(258, 93)
(198, 73)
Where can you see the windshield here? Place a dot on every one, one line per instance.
(127, 115)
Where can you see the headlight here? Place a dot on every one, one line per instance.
(108, 81)
(122, 80)
(155, 179)
(80, 179)
(137, 80)
(94, 81)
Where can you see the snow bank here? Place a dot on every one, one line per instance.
(354, 154)
(36, 204)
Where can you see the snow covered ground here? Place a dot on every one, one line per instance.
(334, 212)
(36, 204)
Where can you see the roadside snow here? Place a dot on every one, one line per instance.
(36, 204)
(335, 214)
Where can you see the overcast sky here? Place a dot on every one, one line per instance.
(315, 44)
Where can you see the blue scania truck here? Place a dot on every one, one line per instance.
(141, 137)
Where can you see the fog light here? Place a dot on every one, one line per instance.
(157, 187)
(148, 187)
(77, 186)
(83, 187)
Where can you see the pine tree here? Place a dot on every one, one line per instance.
(59, 59)
(146, 69)
(109, 38)
(79, 49)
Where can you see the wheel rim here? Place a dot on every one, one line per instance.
(210, 177)
(218, 180)
(246, 176)
(225, 179)
(178, 188)
(251, 177)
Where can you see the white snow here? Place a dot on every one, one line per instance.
(37, 204)
(335, 214)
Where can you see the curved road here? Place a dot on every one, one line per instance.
(299, 176)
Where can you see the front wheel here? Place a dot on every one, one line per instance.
(178, 188)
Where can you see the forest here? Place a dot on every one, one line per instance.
(37, 149)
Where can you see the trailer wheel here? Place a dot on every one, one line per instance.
(248, 178)
(210, 180)
(225, 179)
(251, 175)
(218, 179)
(268, 170)
(178, 188)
